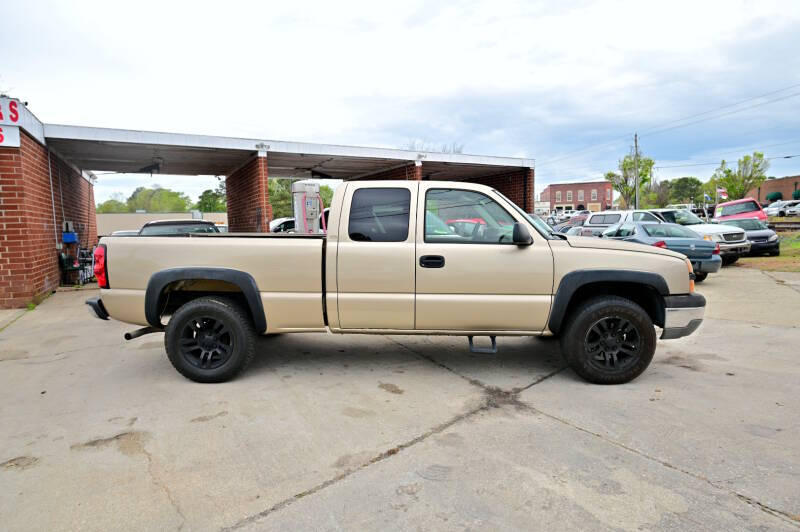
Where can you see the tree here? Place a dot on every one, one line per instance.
(158, 199)
(686, 190)
(624, 180)
(213, 200)
(659, 194)
(750, 172)
(111, 205)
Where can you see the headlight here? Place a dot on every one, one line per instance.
(717, 238)
(708, 237)
(773, 238)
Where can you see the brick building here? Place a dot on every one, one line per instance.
(784, 185)
(46, 178)
(591, 195)
(39, 190)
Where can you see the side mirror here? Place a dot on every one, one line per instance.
(521, 236)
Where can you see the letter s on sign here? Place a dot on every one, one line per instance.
(12, 111)
(2, 138)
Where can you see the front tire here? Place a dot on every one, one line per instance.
(609, 340)
(210, 339)
(699, 277)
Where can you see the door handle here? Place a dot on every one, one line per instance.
(431, 261)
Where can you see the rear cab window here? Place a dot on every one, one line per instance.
(379, 215)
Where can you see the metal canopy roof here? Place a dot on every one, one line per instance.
(129, 151)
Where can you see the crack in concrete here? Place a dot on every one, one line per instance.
(781, 282)
(493, 398)
(784, 516)
(471, 380)
(163, 486)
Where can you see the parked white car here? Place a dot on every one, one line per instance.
(794, 210)
(596, 223)
(781, 207)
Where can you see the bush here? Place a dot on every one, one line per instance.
(796, 194)
(775, 196)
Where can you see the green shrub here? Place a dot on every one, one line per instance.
(775, 196)
(796, 194)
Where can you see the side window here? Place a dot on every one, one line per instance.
(465, 217)
(597, 219)
(379, 215)
(611, 231)
(626, 230)
(611, 218)
(644, 217)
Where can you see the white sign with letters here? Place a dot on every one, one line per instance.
(9, 136)
(14, 113)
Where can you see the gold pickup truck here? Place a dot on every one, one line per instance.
(401, 258)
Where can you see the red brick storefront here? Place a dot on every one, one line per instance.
(785, 185)
(592, 195)
(31, 216)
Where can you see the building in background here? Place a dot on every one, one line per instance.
(591, 195)
(785, 185)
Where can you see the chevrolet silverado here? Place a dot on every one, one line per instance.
(391, 264)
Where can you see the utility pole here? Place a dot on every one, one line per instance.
(636, 169)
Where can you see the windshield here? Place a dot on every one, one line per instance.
(736, 208)
(178, 229)
(681, 217)
(747, 224)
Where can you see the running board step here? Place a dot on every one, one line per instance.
(484, 350)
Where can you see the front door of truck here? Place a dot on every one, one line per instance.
(470, 276)
(375, 264)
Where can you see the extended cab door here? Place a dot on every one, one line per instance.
(470, 276)
(375, 258)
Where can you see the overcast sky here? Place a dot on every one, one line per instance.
(539, 80)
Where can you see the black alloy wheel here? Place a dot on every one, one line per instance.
(612, 343)
(210, 339)
(206, 342)
(608, 339)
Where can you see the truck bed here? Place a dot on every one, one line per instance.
(287, 269)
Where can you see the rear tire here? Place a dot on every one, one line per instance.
(608, 340)
(699, 277)
(210, 339)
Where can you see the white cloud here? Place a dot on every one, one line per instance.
(519, 78)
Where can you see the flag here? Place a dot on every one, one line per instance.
(722, 193)
(708, 199)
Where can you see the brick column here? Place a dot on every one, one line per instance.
(249, 210)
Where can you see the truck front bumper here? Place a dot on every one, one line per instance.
(682, 315)
(734, 249)
(96, 304)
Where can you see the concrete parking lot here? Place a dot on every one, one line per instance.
(362, 432)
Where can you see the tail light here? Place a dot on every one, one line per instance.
(661, 244)
(100, 266)
(716, 249)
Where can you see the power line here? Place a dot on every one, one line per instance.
(661, 129)
(709, 164)
(724, 107)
